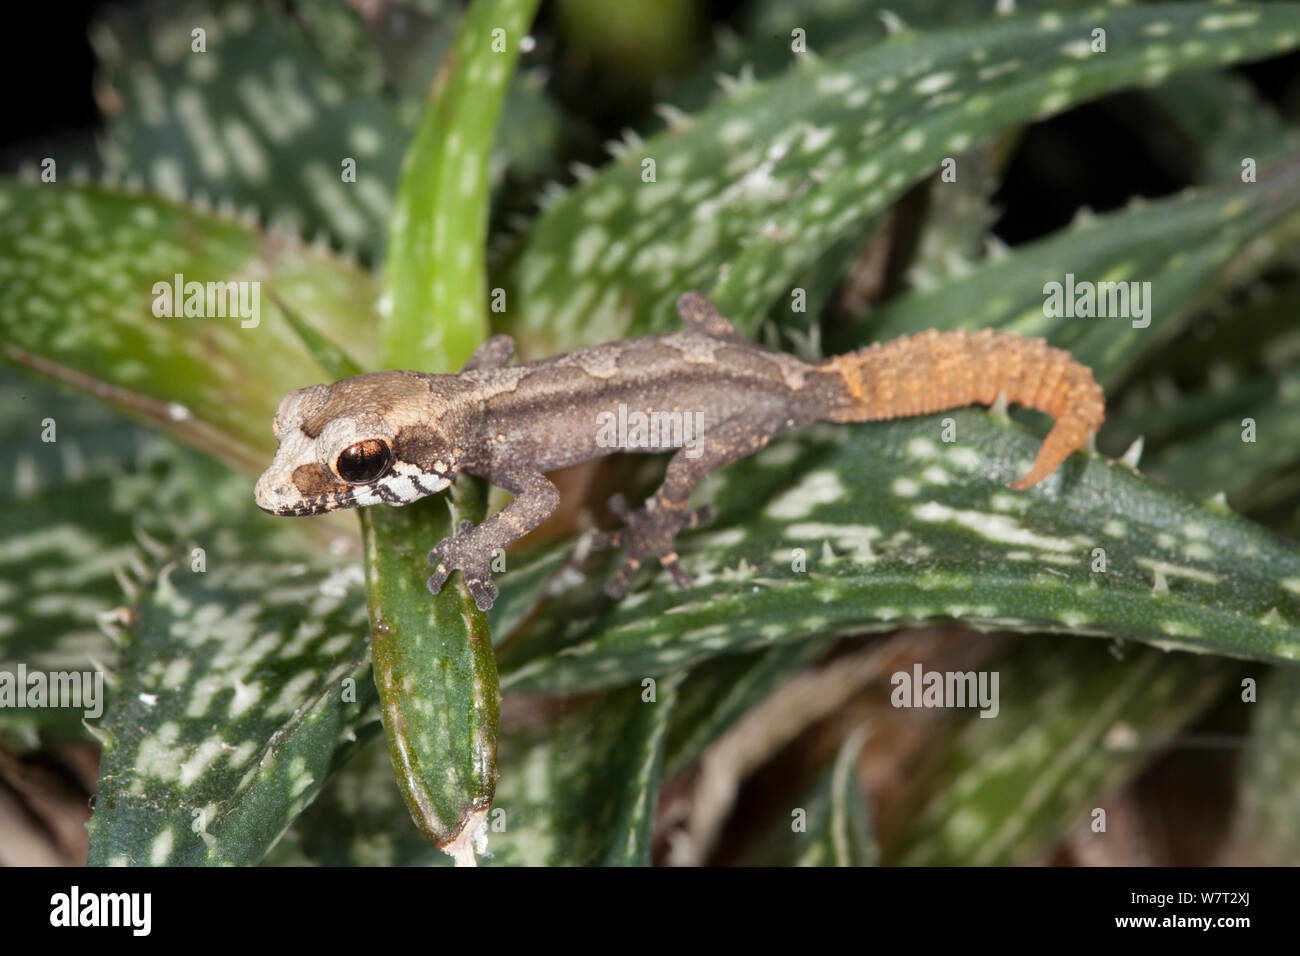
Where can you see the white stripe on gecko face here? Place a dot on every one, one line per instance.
(403, 487)
(366, 496)
(409, 487)
(430, 485)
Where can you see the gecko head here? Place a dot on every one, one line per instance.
(363, 440)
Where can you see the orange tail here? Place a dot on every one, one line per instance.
(935, 370)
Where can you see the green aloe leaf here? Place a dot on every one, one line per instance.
(394, 51)
(1231, 457)
(830, 826)
(360, 819)
(58, 553)
(959, 223)
(1072, 726)
(434, 663)
(333, 361)
(531, 576)
(54, 438)
(80, 267)
(896, 527)
(720, 691)
(100, 509)
(1143, 45)
(1217, 410)
(1180, 246)
(1220, 119)
(257, 117)
(86, 514)
(550, 808)
(557, 810)
(1268, 828)
(342, 36)
(832, 142)
(84, 269)
(843, 835)
(243, 684)
(1234, 364)
(958, 215)
(829, 28)
(437, 238)
(435, 671)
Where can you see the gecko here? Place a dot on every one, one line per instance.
(397, 436)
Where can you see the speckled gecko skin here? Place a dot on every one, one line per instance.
(397, 436)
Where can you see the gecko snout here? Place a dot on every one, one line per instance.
(271, 496)
(307, 489)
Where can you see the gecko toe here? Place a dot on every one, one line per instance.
(484, 592)
(674, 567)
(438, 579)
(461, 552)
(603, 540)
(699, 517)
(617, 586)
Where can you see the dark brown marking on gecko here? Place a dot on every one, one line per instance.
(312, 480)
(513, 424)
(418, 444)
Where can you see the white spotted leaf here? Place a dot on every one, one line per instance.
(551, 808)
(1162, 258)
(83, 300)
(1074, 724)
(898, 528)
(83, 516)
(745, 195)
(241, 688)
(259, 118)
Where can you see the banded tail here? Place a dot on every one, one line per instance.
(936, 370)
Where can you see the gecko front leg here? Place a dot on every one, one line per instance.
(471, 548)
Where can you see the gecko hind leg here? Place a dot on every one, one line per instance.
(496, 352)
(652, 530)
(648, 531)
(700, 315)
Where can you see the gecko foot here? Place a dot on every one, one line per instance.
(648, 532)
(462, 552)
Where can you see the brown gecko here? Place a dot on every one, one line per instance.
(396, 436)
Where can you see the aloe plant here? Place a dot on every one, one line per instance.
(287, 692)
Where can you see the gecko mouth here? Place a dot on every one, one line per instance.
(280, 497)
(393, 490)
(298, 506)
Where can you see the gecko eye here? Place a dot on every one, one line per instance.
(365, 461)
